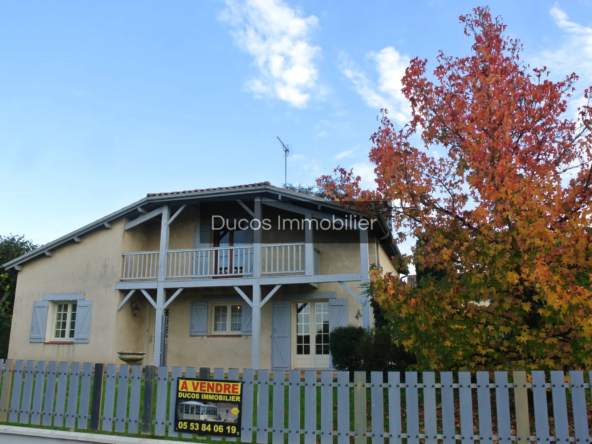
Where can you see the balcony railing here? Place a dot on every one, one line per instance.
(202, 263)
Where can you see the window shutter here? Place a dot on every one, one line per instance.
(39, 321)
(247, 318)
(338, 316)
(202, 259)
(199, 319)
(83, 318)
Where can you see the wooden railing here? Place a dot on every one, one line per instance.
(141, 265)
(282, 258)
(235, 261)
(327, 407)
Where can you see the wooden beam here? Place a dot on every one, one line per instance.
(271, 293)
(172, 298)
(129, 295)
(142, 219)
(107, 225)
(244, 296)
(256, 327)
(353, 294)
(145, 293)
(77, 240)
(257, 238)
(308, 247)
(142, 210)
(365, 273)
(247, 209)
(173, 217)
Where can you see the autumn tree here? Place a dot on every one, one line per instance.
(494, 177)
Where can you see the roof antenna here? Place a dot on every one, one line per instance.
(286, 152)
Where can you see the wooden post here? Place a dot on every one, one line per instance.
(256, 326)
(257, 238)
(160, 291)
(365, 276)
(308, 245)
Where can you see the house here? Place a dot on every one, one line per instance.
(250, 276)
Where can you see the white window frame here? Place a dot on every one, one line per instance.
(52, 320)
(212, 320)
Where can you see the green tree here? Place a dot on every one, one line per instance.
(11, 247)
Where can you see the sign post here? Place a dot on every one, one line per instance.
(209, 407)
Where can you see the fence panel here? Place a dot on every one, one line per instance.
(175, 374)
(541, 413)
(27, 392)
(60, 406)
(122, 391)
(84, 396)
(17, 383)
(162, 385)
(578, 399)
(247, 418)
(360, 407)
(294, 408)
(263, 406)
(502, 403)
(412, 407)
(50, 383)
(521, 405)
(109, 397)
(429, 408)
(134, 400)
(278, 385)
(38, 393)
(484, 407)
(6, 386)
(448, 424)
(73, 395)
(466, 407)
(559, 406)
(377, 395)
(394, 403)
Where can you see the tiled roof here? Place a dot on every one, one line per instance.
(235, 187)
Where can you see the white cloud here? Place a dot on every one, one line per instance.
(277, 37)
(574, 54)
(341, 155)
(390, 66)
(366, 172)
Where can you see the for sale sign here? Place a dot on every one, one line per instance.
(209, 407)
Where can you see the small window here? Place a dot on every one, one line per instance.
(64, 321)
(227, 319)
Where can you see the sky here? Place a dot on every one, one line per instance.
(102, 102)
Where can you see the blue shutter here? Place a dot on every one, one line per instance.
(338, 316)
(199, 319)
(83, 318)
(280, 336)
(247, 318)
(39, 321)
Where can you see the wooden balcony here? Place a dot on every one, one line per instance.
(217, 262)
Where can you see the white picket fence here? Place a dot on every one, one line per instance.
(326, 407)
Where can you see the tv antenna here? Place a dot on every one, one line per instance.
(286, 152)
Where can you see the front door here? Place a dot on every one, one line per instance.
(280, 335)
(310, 344)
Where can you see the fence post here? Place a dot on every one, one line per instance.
(95, 409)
(148, 396)
(360, 407)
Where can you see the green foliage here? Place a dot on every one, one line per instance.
(343, 343)
(11, 247)
(312, 190)
(355, 348)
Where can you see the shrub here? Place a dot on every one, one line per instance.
(357, 349)
(343, 343)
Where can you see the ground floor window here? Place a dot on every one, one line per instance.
(312, 334)
(65, 320)
(227, 319)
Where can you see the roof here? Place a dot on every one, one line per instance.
(203, 190)
(181, 197)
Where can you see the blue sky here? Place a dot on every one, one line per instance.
(102, 102)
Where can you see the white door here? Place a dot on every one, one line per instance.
(311, 335)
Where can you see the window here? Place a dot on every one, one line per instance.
(227, 319)
(65, 321)
(319, 325)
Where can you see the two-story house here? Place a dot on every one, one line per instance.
(244, 276)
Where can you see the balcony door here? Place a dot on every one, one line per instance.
(233, 258)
